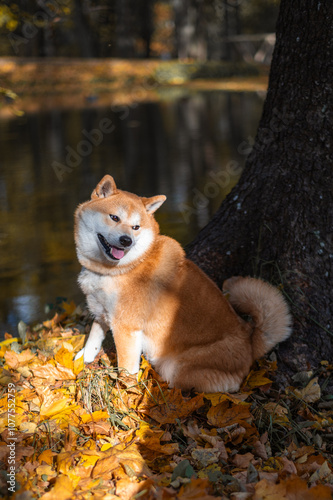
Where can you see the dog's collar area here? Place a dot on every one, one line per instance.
(115, 253)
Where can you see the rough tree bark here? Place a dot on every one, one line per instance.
(277, 223)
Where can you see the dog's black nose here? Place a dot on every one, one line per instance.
(125, 241)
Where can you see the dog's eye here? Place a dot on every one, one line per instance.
(115, 218)
(135, 228)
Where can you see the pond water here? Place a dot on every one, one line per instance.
(190, 147)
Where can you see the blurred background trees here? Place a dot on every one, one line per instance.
(197, 29)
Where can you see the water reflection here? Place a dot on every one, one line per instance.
(178, 147)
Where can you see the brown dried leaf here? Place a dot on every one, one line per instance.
(242, 461)
(222, 416)
(311, 393)
(205, 456)
(175, 406)
(323, 473)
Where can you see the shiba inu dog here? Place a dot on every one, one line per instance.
(140, 285)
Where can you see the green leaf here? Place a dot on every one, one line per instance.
(183, 469)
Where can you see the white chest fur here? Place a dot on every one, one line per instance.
(101, 294)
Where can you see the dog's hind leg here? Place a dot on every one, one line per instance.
(206, 380)
(93, 345)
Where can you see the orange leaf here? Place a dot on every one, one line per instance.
(47, 457)
(99, 427)
(15, 360)
(62, 489)
(51, 372)
(222, 416)
(175, 406)
(105, 466)
(197, 489)
(150, 438)
(293, 488)
(219, 397)
(127, 489)
(51, 323)
(128, 458)
(265, 490)
(68, 307)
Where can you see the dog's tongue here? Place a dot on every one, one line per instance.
(117, 253)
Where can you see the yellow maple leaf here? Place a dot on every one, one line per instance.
(77, 341)
(106, 446)
(78, 365)
(65, 358)
(88, 460)
(256, 379)
(94, 416)
(57, 408)
(218, 397)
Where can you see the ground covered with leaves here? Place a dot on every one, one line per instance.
(93, 432)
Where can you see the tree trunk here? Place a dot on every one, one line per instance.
(277, 223)
(124, 29)
(82, 29)
(146, 24)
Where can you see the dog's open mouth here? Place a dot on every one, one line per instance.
(114, 252)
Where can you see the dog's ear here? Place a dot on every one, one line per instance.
(106, 187)
(152, 204)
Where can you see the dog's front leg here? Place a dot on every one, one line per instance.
(93, 345)
(129, 348)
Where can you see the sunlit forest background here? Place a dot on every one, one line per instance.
(164, 95)
(198, 29)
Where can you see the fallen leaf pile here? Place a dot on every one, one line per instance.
(92, 432)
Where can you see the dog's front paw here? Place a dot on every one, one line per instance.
(88, 355)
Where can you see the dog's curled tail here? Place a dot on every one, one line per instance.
(268, 308)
